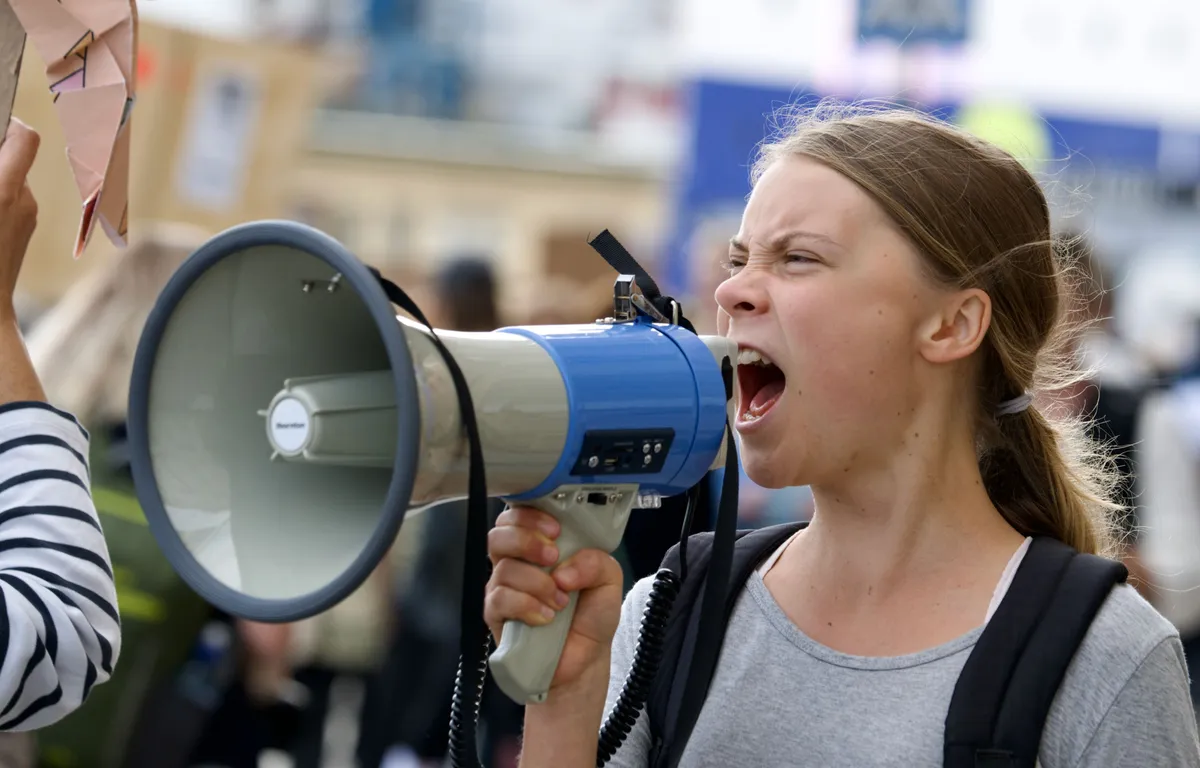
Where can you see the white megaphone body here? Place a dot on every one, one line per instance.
(283, 419)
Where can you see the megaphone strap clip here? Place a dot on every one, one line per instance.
(628, 301)
(635, 291)
(651, 311)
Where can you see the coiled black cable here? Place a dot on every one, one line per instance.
(649, 651)
(646, 659)
(464, 709)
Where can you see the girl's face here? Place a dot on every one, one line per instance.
(826, 288)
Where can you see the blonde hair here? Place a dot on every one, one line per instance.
(980, 219)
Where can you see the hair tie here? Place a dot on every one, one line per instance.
(1016, 405)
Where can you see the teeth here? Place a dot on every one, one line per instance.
(752, 357)
(756, 410)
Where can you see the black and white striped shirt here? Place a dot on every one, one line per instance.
(61, 634)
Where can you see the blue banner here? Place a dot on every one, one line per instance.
(729, 120)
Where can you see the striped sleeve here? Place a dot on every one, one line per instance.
(60, 633)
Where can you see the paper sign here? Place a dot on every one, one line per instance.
(90, 50)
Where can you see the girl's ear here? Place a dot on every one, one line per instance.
(958, 327)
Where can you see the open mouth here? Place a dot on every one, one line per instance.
(761, 384)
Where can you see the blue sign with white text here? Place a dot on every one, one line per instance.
(913, 21)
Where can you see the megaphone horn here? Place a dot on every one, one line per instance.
(283, 420)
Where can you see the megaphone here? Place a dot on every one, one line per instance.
(284, 418)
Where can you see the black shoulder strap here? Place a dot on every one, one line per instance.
(671, 717)
(1006, 687)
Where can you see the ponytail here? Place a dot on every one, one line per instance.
(1049, 477)
(1042, 467)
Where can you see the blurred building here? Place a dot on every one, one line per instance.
(410, 130)
(512, 127)
(541, 65)
(413, 129)
(404, 193)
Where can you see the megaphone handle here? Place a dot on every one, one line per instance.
(524, 664)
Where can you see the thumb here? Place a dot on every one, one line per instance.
(16, 157)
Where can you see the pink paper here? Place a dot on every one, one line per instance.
(90, 51)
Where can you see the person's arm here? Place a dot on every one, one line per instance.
(565, 732)
(60, 631)
(1152, 721)
(18, 219)
(59, 628)
(18, 381)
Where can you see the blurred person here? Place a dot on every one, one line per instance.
(465, 295)
(346, 642)
(275, 690)
(231, 679)
(1168, 430)
(61, 630)
(899, 275)
(1165, 292)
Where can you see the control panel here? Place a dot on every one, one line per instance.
(623, 451)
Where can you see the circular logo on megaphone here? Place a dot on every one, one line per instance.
(288, 425)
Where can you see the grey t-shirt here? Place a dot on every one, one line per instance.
(781, 699)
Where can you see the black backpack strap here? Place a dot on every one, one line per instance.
(1004, 693)
(671, 714)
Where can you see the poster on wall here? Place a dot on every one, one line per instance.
(218, 139)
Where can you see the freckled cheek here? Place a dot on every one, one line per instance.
(848, 364)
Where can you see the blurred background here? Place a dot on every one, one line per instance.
(469, 149)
